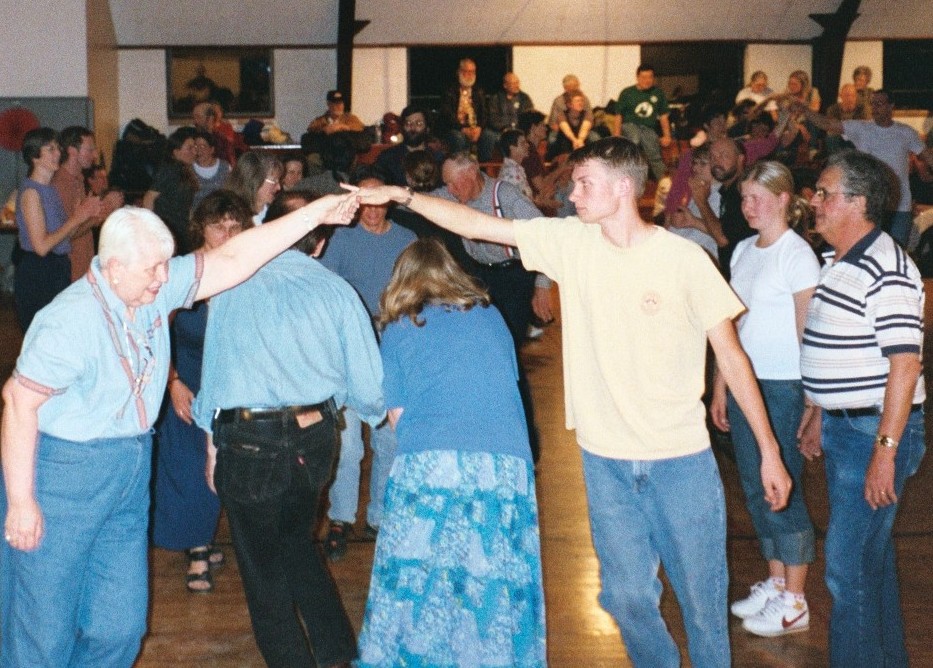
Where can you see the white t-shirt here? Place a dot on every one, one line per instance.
(891, 145)
(766, 279)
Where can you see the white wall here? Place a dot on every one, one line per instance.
(44, 52)
(380, 82)
(603, 70)
(142, 87)
(863, 53)
(302, 79)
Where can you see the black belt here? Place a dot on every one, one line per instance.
(243, 414)
(864, 412)
(505, 264)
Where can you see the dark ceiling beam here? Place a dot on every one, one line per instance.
(828, 48)
(347, 28)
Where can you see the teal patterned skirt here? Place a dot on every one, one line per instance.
(457, 573)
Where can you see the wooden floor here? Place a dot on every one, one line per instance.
(214, 629)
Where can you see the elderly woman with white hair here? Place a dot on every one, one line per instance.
(76, 435)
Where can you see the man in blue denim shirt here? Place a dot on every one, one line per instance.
(861, 373)
(282, 352)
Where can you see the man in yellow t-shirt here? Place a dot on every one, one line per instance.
(639, 305)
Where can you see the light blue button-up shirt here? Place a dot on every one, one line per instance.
(103, 381)
(293, 334)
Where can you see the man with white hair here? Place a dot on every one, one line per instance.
(76, 437)
(463, 111)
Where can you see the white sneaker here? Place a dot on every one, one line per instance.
(779, 618)
(762, 592)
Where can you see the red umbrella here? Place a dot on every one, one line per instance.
(14, 124)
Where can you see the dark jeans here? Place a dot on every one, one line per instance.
(269, 477)
(37, 281)
(511, 289)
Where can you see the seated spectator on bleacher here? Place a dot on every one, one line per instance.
(417, 126)
(644, 118)
(561, 105)
(294, 169)
(514, 149)
(503, 109)
(574, 127)
(713, 127)
(543, 182)
(211, 171)
(757, 89)
(336, 118)
(462, 114)
(846, 109)
(682, 215)
(255, 178)
(861, 77)
(204, 116)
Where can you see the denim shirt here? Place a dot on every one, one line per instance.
(104, 374)
(293, 334)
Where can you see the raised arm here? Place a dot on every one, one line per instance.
(822, 121)
(457, 218)
(240, 257)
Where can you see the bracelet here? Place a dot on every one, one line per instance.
(411, 196)
(886, 441)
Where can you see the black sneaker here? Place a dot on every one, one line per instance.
(335, 545)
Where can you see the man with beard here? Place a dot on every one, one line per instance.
(728, 225)
(463, 110)
(416, 130)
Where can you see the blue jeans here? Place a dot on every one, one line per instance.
(647, 139)
(344, 495)
(269, 477)
(81, 598)
(671, 512)
(865, 626)
(785, 536)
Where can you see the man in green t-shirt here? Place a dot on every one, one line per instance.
(641, 110)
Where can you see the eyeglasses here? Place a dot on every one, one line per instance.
(823, 194)
(415, 124)
(228, 228)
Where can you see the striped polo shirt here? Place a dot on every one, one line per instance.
(867, 305)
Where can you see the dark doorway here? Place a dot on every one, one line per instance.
(908, 73)
(433, 69)
(694, 74)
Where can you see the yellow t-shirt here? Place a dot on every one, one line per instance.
(634, 335)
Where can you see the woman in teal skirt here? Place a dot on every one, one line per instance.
(457, 573)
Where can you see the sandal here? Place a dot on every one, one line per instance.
(335, 545)
(203, 582)
(215, 557)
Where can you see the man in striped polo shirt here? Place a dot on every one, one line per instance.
(864, 391)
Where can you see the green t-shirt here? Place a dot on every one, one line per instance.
(643, 107)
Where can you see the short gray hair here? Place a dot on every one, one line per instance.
(128, 230)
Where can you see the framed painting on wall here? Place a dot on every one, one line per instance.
(238, 78)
